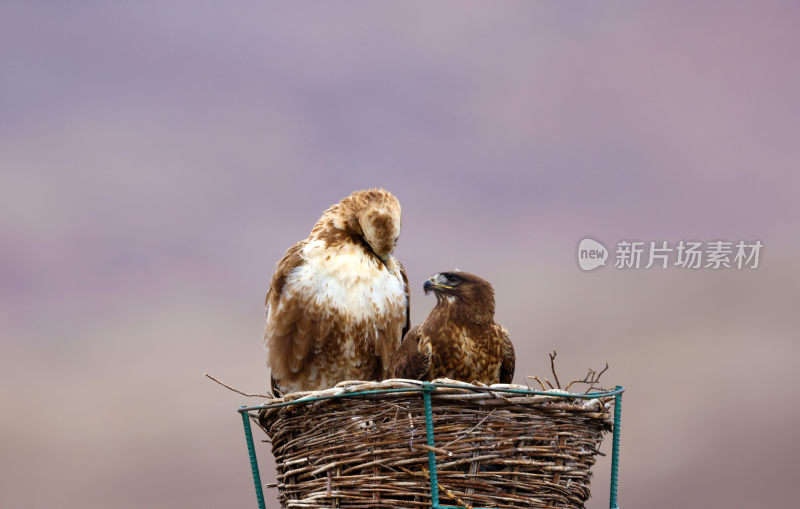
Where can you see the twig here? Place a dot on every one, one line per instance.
(411, 428)
(591, 378)
(435, 450)
(586, 380)
(469, 431)
(444, 490)
(601, 373)
(447, 492)
(596, 379)
(553, 367)
(236, 390)
(540, 382)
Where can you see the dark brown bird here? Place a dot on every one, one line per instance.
(459, 339)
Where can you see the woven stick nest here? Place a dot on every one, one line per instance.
(492, 449)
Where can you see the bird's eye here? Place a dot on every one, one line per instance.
(453, 279)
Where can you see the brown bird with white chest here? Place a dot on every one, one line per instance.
(337, 305)
(459, 339)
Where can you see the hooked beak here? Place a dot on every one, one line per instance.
(433, 283)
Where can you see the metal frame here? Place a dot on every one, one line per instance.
(426, 389)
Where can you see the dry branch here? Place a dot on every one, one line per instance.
(591, 378)
(553, 367)
(249, 395)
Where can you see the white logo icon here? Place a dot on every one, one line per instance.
(591, 254)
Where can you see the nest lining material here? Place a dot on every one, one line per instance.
(493, 449)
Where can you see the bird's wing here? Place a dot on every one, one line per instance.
(291, 260)
(393, 324)
(408, 299)
(288, 332)
(408, 361)
(509, 358)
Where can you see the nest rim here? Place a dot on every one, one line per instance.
(356, 388)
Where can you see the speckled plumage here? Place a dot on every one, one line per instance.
(459, 339)
(337, 306)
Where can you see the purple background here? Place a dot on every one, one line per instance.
(156, 159)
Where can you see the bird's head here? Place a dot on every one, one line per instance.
(375, 216)
(462, 288)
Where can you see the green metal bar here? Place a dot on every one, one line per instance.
(426, 397)
(615, 448)
(251, 450)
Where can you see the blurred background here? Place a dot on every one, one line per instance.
(157, 158)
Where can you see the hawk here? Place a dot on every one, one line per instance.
(459, 338)
(337, 305)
